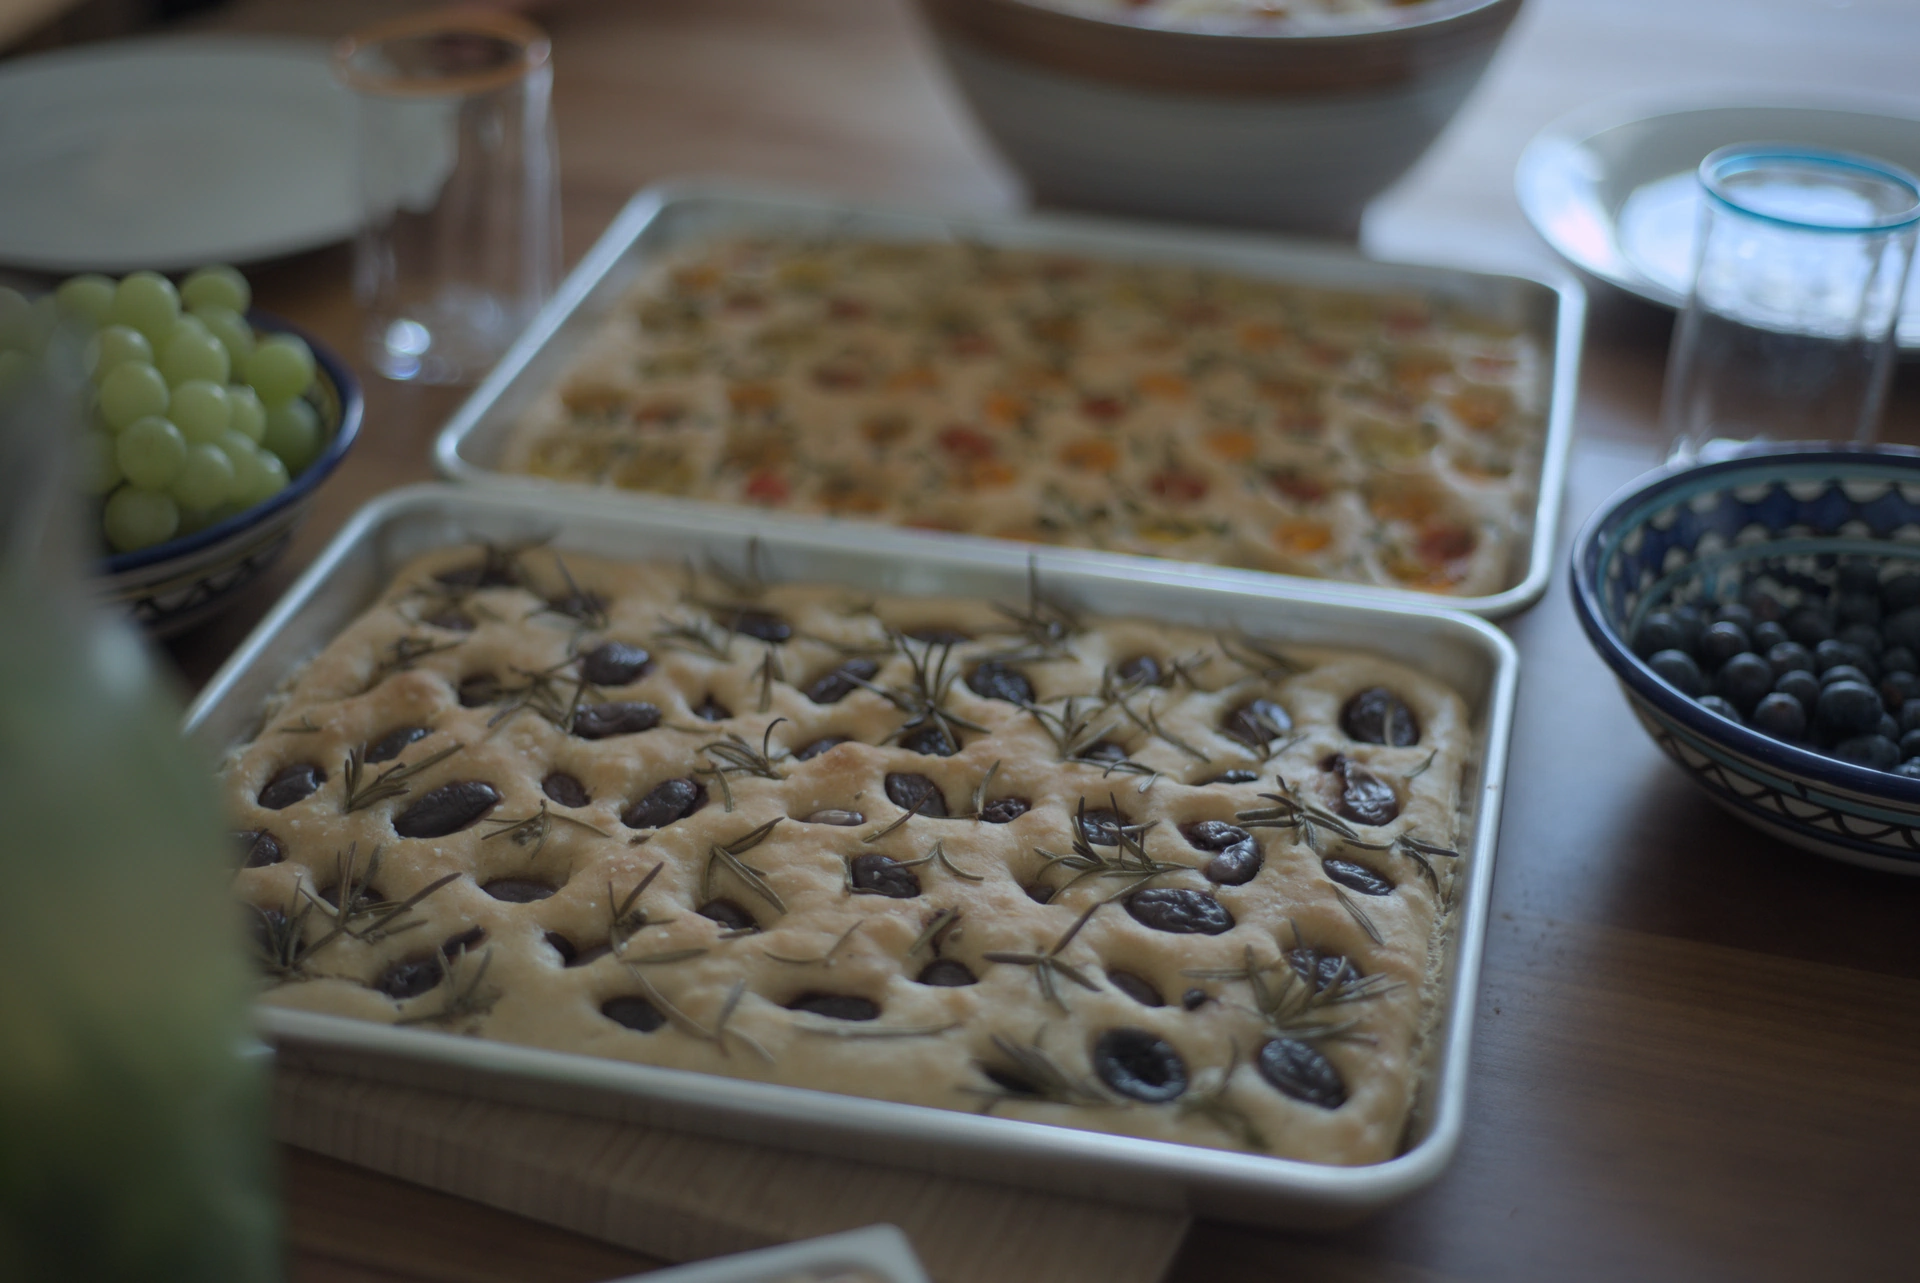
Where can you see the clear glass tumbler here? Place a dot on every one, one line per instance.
(460, 239)
(1788, 334)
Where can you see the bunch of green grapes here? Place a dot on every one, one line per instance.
(193, 417)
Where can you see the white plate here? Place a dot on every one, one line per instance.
(1612, 186)
(172, 153)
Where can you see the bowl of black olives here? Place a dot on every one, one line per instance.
(1762, 613)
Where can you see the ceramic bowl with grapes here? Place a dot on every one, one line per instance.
(172, 586)
(1823, 545)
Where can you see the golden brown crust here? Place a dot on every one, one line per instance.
(930, 1044)
(1385, 439)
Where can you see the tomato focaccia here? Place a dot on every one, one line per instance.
(1104, 873)
(1377, 438)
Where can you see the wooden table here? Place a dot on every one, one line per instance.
(1698, 1055)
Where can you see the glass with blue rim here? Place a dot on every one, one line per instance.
(1789, 330)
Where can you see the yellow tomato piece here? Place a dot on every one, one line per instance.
(1481, 408)
(917, 378)
(1090, 454)
(1402, 499)
(1004, 408)
(986, 474)
(748, 397)
(1171, 386)
(1235, 445)
(1302, 535)
(1259, 336)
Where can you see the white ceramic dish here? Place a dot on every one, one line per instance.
(1470, 656)
(1612, 187)
(876, 1254)
(1551, 309)
(170, 153)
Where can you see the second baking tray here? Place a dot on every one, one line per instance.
(660, 219)
(1471, 657)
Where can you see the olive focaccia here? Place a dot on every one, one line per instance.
(1104, 873)
(1385, 438)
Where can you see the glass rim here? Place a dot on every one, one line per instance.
(531, 44)
(1714, 167)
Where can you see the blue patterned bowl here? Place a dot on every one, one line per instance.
(1694, 534)
(173, 586)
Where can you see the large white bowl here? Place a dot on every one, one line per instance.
(1269, 128)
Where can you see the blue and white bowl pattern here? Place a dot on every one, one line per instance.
(1696, 534)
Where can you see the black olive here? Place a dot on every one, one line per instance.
(562, 946)
(1140, 670)
(1766, 635)
(1138, 988)
(447, 809)
(1005, 810)
(410, 978)
(938, 635)
(1734, 612)
(1657, 632)
(882, 875)
(1678, 670)
(1140, 1065)
(266, 926)
(633, 1012)
(1810, 626)
(1844, 673)
(615, 664)
(1039, 892)
(363, 896)
(916, 793)
(1008, 1081)
(1356, 877)
(451, 618)
(836, 1006)
(465, 940)
(760, 625)
(1721, 642)
(259, 848)
(712, 710)
(1299, 1070)
(477, 689)
(948, 973)
(1321, 970)
(1857, 610)
(1857, 576)
(1193, 999)
(1378, 716)
(1235, 776)
(495, 571)
(834, 686)
(1781, 716)
(930, 740)
(728, 914)
(992, 679)
(820, 746)
(1898, 659)
(1902, 592)
(1237, 855)
(1257, 723)
(1180, 911)
(1875, 751)
(1846, 709)
(1103, 751)
(1722, 708)
(291, 784)
(518, 890)
(1365, 798)
(1101, 827)
(393, 743)
(599, 721)
(565, 789)
(1801, 686)
(1746, 679)
(666, 802)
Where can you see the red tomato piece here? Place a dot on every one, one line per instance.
(1178, 487)
(1441, 543)
(768, 487)
(963, 442)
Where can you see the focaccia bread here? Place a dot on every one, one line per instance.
(1385, 438)
(1111, 874)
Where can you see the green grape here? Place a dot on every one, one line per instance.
(131, 390)
(137, 518)
(112, 345)
(148, 302)
(16, 368)
(249, 416)
(280, 369)
(238, 447)
(201, 410)
(206, 479)
(14, 314)
(219, 286)
(293, 433)
(193, 354)
(88, 297)
(99, 469)
(151, 452)
(229, 327)
(43, 318)
(267, 480)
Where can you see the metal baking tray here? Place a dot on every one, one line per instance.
(1551, 308)
(1467, 654)
(876, 1254)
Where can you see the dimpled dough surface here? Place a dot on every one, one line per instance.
(1387, 438)
(929, 1044)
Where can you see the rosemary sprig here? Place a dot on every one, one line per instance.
(305, 726)
(936, 930)
(392, 782)
(687, 1024)
(588, 610)
(404, 653)
(1045, 627)
(624, 920)
(841, 1029)
(1291, 811)
(1423, 854)
(535, 828)
(1257, 655)
(734, 756)
(931, 675)
(1046, 965)
(1296, 1005)
(1073, 729)
(979, 800)
(1040, 1077)
(825, 959)
(1129, 858)
(1151, 725)
(1211, 1103)
(769, 672)
(541, 694)
(698, 637)
(727, 856)
(461, 1001)
(1421, 769)
(1357, 913)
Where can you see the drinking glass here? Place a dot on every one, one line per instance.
(459, 242)
(1788, 333)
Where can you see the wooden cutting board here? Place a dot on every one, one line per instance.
(682, 1197)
